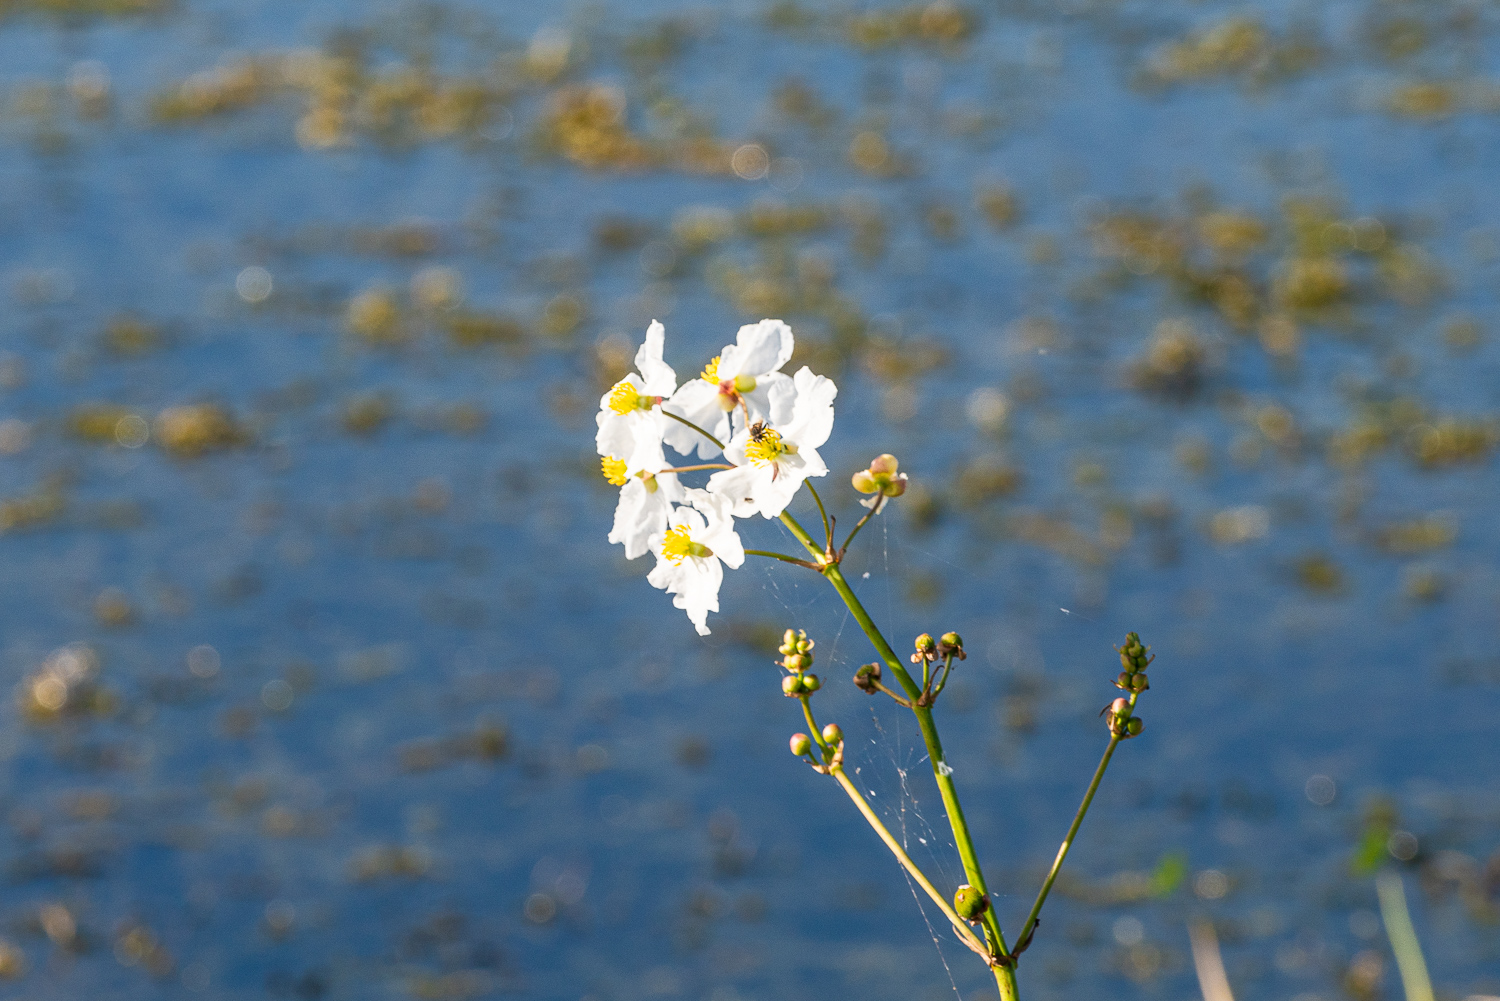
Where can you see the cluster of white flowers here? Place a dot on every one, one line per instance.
(771, 424)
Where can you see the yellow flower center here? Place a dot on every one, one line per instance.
(765, 446)
(625, 397)
(614, 470)
(677, 544)
(711, 371)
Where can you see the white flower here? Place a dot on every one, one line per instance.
(646, 499)
(771, 462)
(691, 556)
(630, 420)
(745, 377)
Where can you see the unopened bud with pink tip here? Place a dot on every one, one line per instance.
(881, 477)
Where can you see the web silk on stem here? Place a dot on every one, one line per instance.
(767, 427)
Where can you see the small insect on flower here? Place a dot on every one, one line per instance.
(758, 431)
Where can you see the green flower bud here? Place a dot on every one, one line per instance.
(788, 643)
(1127, 661)
(832, 734)
(952, 645)
(801, 745)
(881, 477)
(926, 644)
(1119, 707)
(1138, 683)
(796, 662)
(792, 685)
(811, 683)
(1123, 681)
(805, 645)
(970, 903)
(1134, 725)
(866, 677)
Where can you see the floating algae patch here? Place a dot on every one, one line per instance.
(197, 429)
(81, 10)
(342, 99)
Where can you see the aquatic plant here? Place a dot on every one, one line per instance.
(766, 427)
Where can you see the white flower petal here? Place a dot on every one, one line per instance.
(759, 349)
(696, 401)
(812, 410)
(739, 486)
(657, 376)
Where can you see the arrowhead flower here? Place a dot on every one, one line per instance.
(629, 419)
(646, 499)
(692, 554)
(746, 378)
(771, 463)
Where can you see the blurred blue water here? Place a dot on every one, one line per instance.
(328, 814)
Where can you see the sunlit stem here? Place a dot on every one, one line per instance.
(827, 528)
(801, 534)
(879, 503)
(684, 420)
(943, 679)
(1403, 937)
(942, 773)
(812, 724)
(782, 557)
(1029, 928)
(959, 925)
(1005, 977)
(693, 469)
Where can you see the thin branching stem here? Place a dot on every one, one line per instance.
(1029, 928)
(783, 558)
(874, 510)
(827, 528)
(684, 420)
(812, 724)
(960, 927)
(693, 469)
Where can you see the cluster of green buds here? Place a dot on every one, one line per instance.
(881, 477)
(796, 657)
(1134, 658)
(1121, 723)
(824, 750)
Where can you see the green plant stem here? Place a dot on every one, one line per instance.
(692, 469)
(1004, 971)
(1403, 936)
(959, 925)
(827, 527)
(684, 420)
(879, 503)
(812, 724)
(1029, 928)
(780, 556)
(800, 533)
